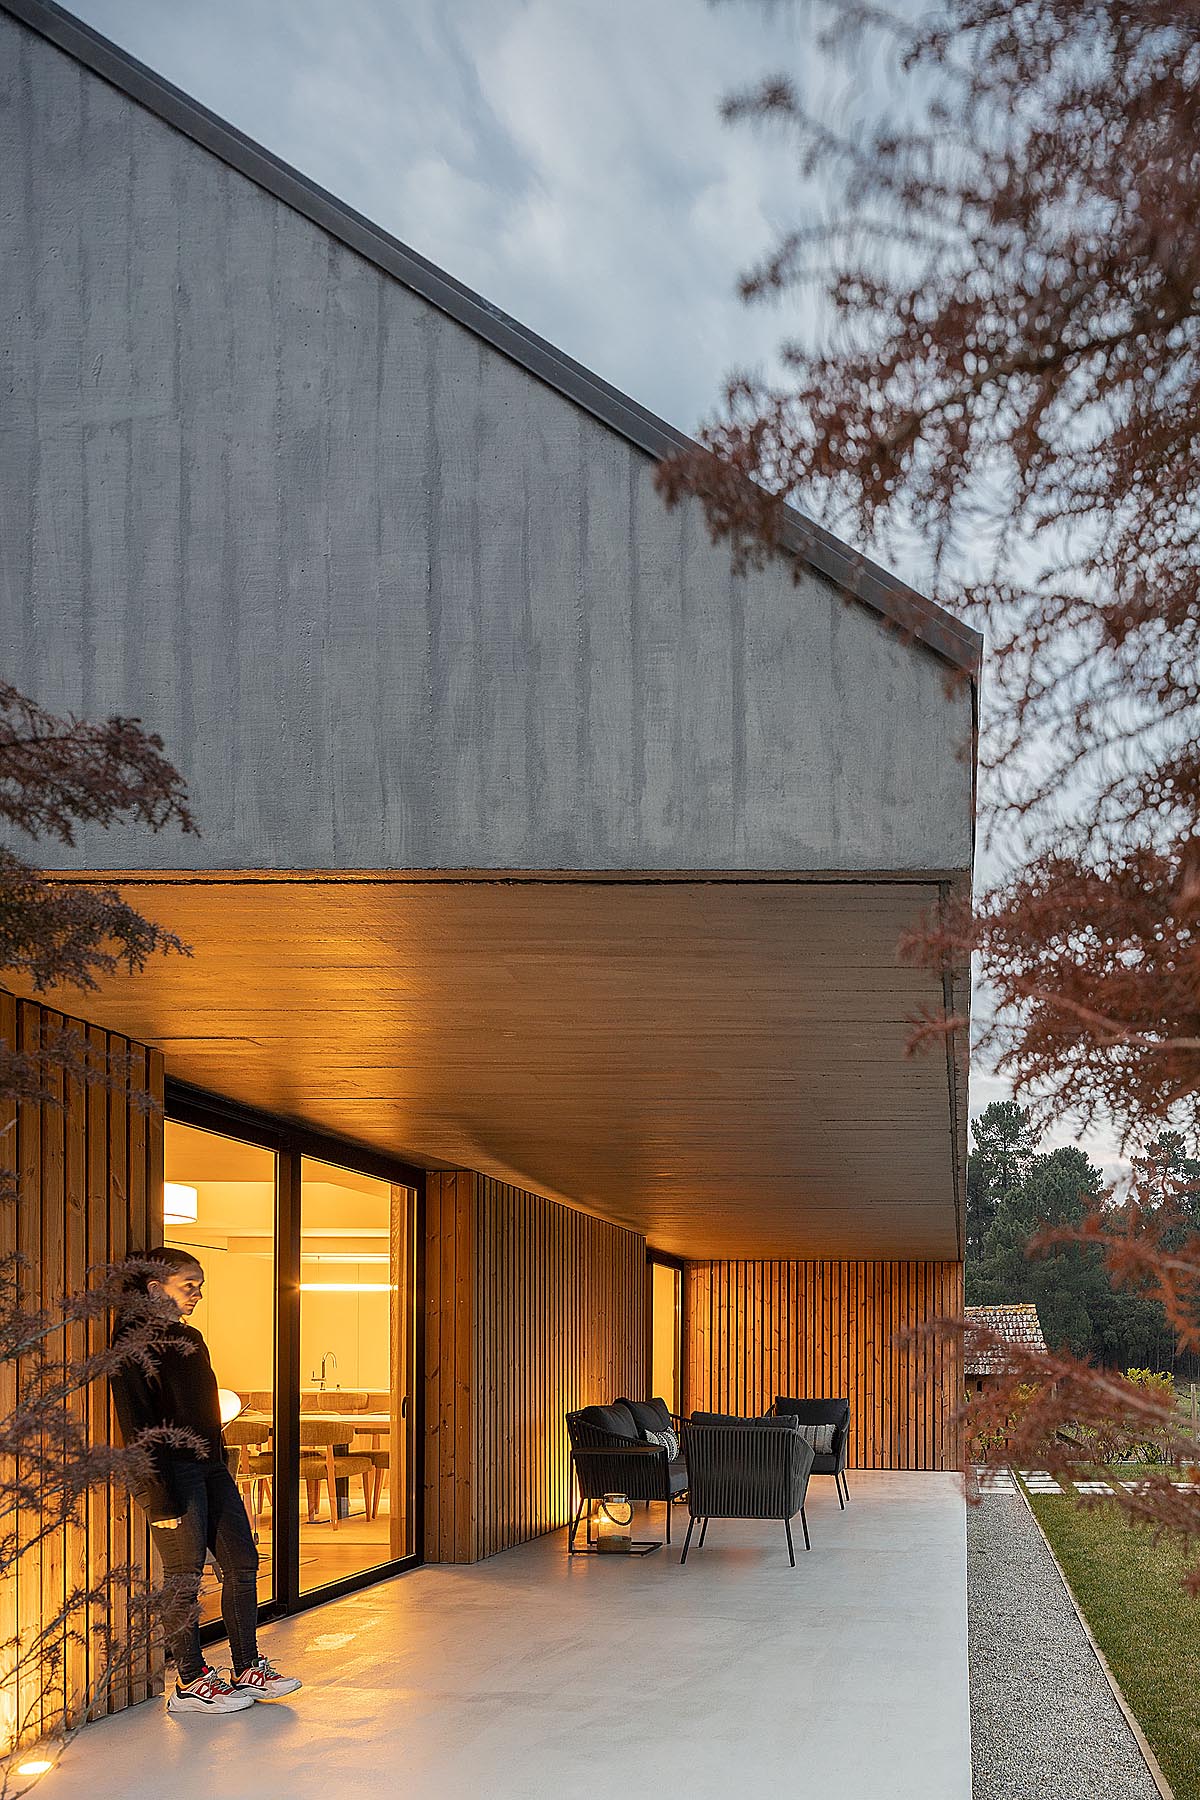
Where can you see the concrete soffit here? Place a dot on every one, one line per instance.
(907, 611)
(587, 1119)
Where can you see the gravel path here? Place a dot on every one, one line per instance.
(1044, 1722)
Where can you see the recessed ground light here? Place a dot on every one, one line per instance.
(34, 1768)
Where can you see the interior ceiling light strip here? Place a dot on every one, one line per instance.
(345, 1256)
(347, 1287)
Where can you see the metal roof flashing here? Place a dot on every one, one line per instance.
(909, 612)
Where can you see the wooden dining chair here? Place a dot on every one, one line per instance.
(254, 1468)
(381, 1463)
(324, 1457)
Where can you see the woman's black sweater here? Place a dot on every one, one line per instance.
(182, 1391)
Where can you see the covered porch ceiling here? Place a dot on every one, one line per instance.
(717, 1063)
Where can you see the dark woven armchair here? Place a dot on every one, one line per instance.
(609, 1456)
(824, 1412)
(745, 1469)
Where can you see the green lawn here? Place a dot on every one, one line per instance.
(1128, 1590)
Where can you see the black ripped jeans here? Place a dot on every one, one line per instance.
(213, 1519)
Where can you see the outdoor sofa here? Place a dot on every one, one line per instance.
(611, 1454)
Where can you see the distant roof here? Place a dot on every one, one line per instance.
(1017, 1324)
(937, 629)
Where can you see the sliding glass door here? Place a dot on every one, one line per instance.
(219, 1202)
(356, 1370)
(309, 1250)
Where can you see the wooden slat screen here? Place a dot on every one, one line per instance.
(753, 1330)
(532, 1309)
(450, 1274)
(90, 1179)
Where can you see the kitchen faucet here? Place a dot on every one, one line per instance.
(328, 1357)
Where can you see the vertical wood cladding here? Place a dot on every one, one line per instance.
(532, 1309)
(451, 1211)
(88, 1171)
(753, 1330)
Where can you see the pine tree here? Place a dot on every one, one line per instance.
(1005, 1142)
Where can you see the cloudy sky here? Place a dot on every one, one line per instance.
(565, 158)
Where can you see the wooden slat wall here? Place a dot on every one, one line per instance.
(562, 1322)
(532, 1309)
(753, 1330)
(451, 1208)
(90, 1177)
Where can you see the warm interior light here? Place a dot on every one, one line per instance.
(179, 1203)
(34, 1768)
(346, 1256)
(347, 1287)
(231, 1405)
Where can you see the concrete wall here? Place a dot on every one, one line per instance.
(392, 602)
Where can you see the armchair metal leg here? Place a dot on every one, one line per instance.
(703, 1534)
(838, 1483)
(668, 1517)
(845, 1486)
(804, 1522)
(575, 1518)
(687, 1540)
(787, 1526)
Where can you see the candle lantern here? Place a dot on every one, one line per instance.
(614, 1520)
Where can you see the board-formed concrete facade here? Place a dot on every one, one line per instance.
(392, 600)
(391, 578)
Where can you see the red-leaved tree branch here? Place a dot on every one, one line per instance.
(55, 1355)
(997, 358)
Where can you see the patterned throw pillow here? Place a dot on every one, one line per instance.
(820, 1437)
(667, 1439)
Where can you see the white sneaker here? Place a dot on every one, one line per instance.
(209, 1693)
(262, 1681)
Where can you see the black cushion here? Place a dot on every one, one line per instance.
(617, 1420)
(648, 1415)
(815, 1412)
(781, 1422)
(822, 1412)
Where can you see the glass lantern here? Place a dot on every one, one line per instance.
(614, 1522)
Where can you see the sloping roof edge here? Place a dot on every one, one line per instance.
(885, 594)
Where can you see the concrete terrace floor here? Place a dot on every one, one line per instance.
(528, 1676)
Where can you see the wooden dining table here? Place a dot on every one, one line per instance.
(367, 1424)
(373, 1425)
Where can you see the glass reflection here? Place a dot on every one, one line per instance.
(355, 1373)
(219, 1202)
